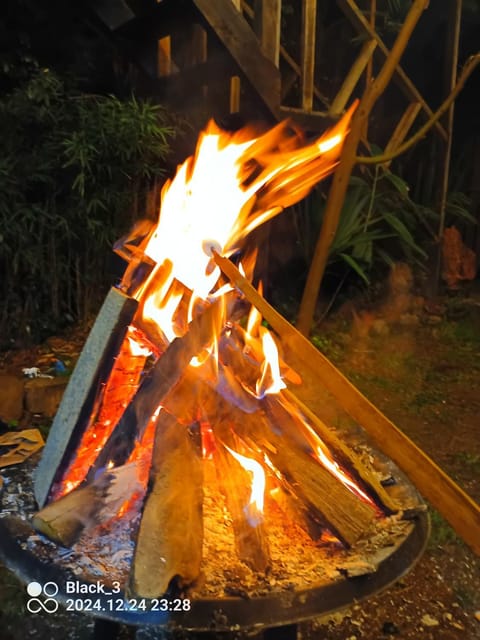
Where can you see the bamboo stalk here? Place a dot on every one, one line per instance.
(444, 494)
(336, 196)
(338, 105)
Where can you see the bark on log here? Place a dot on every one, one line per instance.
(170, 537)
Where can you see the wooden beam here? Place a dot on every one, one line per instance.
(309, 15)
(267, 27)
(361, 24)
(164, 57)
(452, 502)
(338, 105)
(229, 25)
(235, 94)
(403, 127)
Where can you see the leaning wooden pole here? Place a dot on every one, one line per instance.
(341, 178)
(443, 493)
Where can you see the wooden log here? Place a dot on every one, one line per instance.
(64, 520)
(248, 526)
(166, 373)
(93, 367)
(330, 502)
(170, 536)
(444, 494)
(118, 391)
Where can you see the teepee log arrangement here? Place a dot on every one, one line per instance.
(175, 381)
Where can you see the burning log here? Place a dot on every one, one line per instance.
(93, 367)
(237, 485)
(170, 537)
(64, 520)
(166, 373)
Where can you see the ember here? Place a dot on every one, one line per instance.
(188, 387)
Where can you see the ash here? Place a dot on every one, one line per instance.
(105, 552)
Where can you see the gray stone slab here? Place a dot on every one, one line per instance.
(93, 366)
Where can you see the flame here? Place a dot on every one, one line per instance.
(258, 480)
(270, 367)
(233, 183)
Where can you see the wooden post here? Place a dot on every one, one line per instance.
(341, 178)
(443, 493)
(309, 14)
(353, 76)
(454, 24)
(267, 27)
(164, 57)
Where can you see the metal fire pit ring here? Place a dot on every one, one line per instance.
(228, 613)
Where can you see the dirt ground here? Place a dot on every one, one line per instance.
(426, 379)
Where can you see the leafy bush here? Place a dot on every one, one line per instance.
(71, 169)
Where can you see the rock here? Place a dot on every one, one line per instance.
(428, 621)
(11, 398)
(43, 395)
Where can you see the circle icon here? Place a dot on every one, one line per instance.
(50, 589)
(34, 589)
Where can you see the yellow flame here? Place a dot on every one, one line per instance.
(258, 478)
(270, 366)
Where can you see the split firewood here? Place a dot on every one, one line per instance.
(236, 484)
(64, 520)
(93, 368)
(160, 380)
(286, 402)
(325, 496)
(170, 536)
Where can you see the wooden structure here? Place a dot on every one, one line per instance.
(220, 52)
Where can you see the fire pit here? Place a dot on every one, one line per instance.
(186, 469)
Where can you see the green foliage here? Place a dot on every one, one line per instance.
(72, 166)
(379, 223)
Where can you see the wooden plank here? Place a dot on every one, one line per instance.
(267, 27)
(164, 57)
(170, 536)
(444, 494)
(403, 127)
(338, 105)
(93, 366)
(231, 28)
(361, 24)
(234, 94)
(309, 15)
